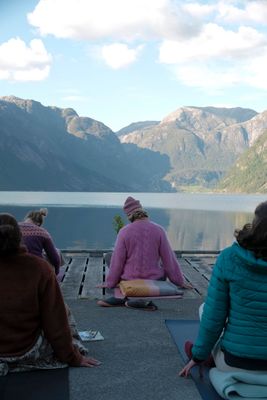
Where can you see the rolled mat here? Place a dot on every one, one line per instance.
(181, 331)
(41, 385)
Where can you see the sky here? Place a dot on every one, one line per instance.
(123, 61)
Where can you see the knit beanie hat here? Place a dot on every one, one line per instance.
(131, 205)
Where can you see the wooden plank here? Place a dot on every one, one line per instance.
(93, 277)
(188, 294)
(63, 269)
(204, 265)
(73, 277)
(194, 277)
(84, 271)
(204, 260)
(203, 269)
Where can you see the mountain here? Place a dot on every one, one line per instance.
(54, 149)
(136, 126)
(249, 174)
(202, 143)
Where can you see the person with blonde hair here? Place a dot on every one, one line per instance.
(34, 325)
(38, 240)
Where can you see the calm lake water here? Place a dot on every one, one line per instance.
(84, 220)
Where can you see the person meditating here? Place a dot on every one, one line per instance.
(34, 326)
(233, 324)
(142, 251)
(38, 240)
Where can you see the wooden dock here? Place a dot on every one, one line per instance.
(85, 269)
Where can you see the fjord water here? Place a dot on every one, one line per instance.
(85, 220)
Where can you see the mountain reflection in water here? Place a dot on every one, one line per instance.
(92, 227)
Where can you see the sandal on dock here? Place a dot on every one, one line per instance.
(111, 302)
(141, 304)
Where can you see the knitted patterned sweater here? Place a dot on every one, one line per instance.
(142, 251)
(37, 240)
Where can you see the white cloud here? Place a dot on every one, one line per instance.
(117, 19)
(251, 12)
(255, 72)
(32, 74)
(214, 77)
(218, 58)
(21, 63)
(119, 55)
(210, 78)
(208, 44)
(230, 11)
(199, 10)
(4, 75)
(214, 42)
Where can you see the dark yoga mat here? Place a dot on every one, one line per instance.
(181, 331)
(35, 385)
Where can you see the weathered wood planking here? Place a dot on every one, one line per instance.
(83, 271)
(74, 276)
(64, 268)
(93, 277)
(204, 267)
(194, 277)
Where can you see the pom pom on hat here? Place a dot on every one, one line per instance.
(131, 205)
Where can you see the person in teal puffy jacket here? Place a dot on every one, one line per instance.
(234, 320)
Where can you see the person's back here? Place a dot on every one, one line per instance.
(34, 237)
(143, 240)
(245, 334)
(142, 250)
(20, 308)
(34, 326)
(234, 320)
(37, 239)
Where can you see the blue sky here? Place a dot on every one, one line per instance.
(123, 61)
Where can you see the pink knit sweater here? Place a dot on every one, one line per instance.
(142, 251)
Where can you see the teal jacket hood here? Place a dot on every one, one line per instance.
(248, 258)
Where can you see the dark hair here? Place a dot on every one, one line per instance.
(261, 210)
(254, 236)
(10, 235)
(37, 216)
(140, 214)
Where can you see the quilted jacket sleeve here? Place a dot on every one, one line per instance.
(215, 312)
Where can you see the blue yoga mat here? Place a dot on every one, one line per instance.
(181, 331)
(35, 385)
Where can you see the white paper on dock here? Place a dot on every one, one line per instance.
(90, 335)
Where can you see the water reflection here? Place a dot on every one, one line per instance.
(203, 230)
(91, 227)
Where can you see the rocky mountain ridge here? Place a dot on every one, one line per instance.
(49, 148)
(202, 143)
(249, 173)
